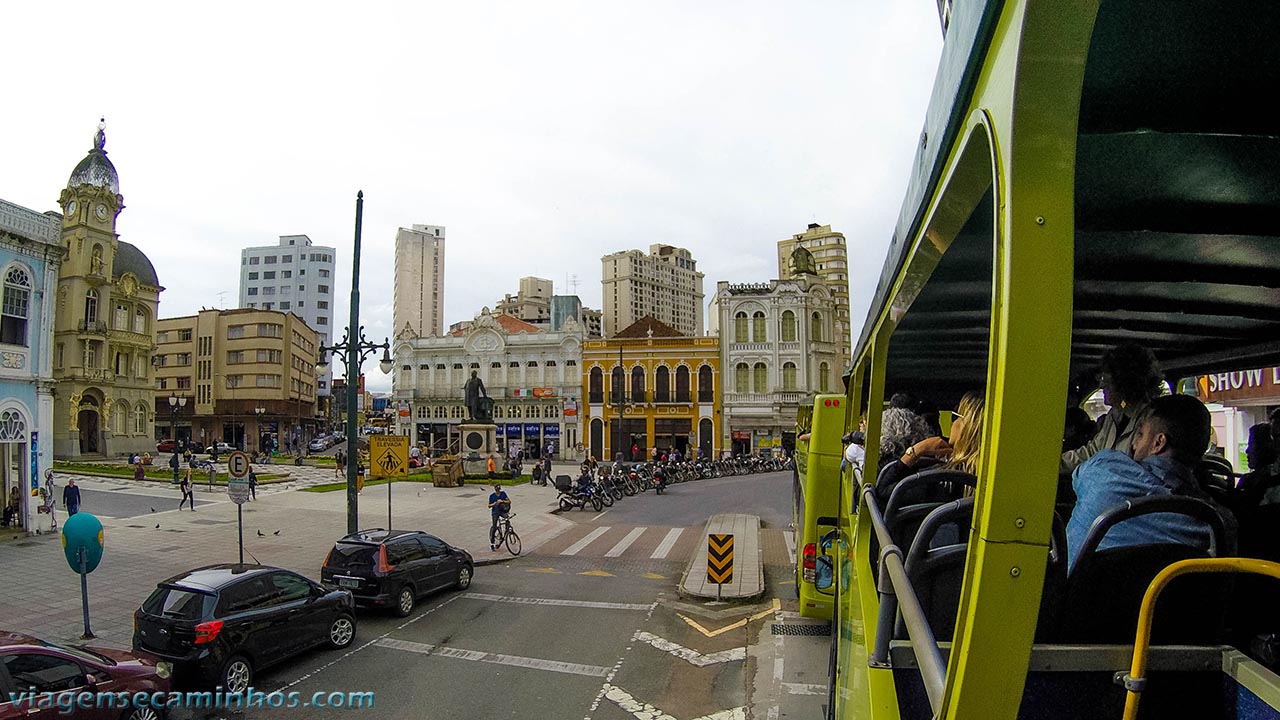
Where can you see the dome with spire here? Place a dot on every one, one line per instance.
(95, 169)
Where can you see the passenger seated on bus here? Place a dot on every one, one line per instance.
(963, 452)
(1129, 378)
(1078, 430)
(1168, 442)
(1260, 454)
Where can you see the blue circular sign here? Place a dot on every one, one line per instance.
(82, 531)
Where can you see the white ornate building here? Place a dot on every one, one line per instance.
(531, 373)
(778, 347)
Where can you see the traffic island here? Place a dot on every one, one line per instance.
(727, 564)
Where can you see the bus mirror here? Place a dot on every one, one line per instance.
(828, 540)
(824, 576)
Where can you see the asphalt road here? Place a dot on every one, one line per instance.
(127, 502)
(577, 630)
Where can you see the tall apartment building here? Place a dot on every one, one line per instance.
(664, 285)
(532, 304)
(294, 276)
(564, 307)
(419, 285)
(829, 254)
(248, 376)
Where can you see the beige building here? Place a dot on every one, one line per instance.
(418, 303)
(664, 285)
(531, 304)
(831, 259)
(108, 294)
(247, 375)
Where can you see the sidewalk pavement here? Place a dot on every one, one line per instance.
(748, 562)
(284, 528)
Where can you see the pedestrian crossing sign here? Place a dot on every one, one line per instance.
(389, 455)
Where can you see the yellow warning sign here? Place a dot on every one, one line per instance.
(720, 559)
(388, 455)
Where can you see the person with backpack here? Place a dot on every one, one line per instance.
(187, 495)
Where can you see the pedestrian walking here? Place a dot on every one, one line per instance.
(71, 498)
(253, 485)
(187, 495)
(491, 466)
(173, 465)
(340, 463)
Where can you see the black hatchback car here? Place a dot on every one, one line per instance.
(219, 624)
(393, 568)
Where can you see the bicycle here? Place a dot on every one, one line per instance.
(506, 535)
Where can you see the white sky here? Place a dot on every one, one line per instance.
(541, 135)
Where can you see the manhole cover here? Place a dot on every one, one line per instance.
(810, 629)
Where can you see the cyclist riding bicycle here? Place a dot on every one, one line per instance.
(499, 506)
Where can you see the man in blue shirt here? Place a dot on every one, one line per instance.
(499, 505)
(1166, 446)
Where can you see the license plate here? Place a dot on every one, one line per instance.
(348, 582)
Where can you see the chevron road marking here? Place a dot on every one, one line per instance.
(495, 658)
(645, 711)
(667, 543)
(625, 542)
(693, 657)
(577, 547)
(777, 605)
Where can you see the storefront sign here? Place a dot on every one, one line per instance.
(35, 463)
(551, 431)
(544, 392)
(513, 431)
(502, 430)
(570, 408)
(532, 429)
(1248, 387)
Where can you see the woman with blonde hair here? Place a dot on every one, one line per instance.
(966, 433)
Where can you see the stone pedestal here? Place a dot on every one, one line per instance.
(479, 438)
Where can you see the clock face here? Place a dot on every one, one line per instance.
(71, 209)
(101, 211)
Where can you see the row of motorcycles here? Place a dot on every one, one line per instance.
(603, 486)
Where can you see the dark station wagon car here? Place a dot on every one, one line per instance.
(219, 624)
(393, 568)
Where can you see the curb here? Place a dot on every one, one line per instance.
(697, 561)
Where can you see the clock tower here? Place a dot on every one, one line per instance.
(108, 295)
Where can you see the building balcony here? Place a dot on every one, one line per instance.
(128, 337)
(753, 347)
(780, 397)
(96, 327)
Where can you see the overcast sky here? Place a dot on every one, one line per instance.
(541, 135)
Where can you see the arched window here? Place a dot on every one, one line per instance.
(662, 384)
(120, 418)
(758, 333)
(824, 380)
(91, 307)
(789, 376)
(706, 389)
(637, 384)
(760, 379)
(618, 389)
(140, 321)
(121, 320)
(595, 386)
(788, 326)
(140, 419)
(682, 384)
(17, 302)
(815, 330)
(740, 327)
(742, 378)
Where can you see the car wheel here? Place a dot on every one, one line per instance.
(464, 578)
(237, 675)
(142, 713)
(342, 631)
(405, 601)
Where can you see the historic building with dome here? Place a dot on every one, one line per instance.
(104, 331)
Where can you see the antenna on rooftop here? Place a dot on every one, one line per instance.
(222, 299)
(573, 284)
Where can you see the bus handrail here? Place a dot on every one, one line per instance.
(1135, 682)
(897, 595)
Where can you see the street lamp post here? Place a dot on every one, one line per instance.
(175, 405)
(355, 348)
(258, 413)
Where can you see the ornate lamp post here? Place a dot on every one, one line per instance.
(354, 348)
(258, 412)
(175, 406)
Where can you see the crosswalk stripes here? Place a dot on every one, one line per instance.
(577, 547)
(667, 543)
(625, 542)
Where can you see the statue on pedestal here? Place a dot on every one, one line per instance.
(479, 404)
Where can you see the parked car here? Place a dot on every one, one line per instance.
(27, 662)
(220, 624)
(219, 448)
(320, 443)
(393, 568)
(165, 446)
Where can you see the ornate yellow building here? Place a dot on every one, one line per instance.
(108, 294)
(663, 392)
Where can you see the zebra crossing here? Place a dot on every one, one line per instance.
(653, 543)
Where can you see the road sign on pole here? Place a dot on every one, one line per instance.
(720, 558)
(388, 455)
(238, 477)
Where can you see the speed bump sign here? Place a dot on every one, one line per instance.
(388, 455)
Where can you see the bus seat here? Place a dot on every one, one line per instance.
(915, 496)
(1105, 588)
(1216, 477)
(1055, 580)
(936, 569)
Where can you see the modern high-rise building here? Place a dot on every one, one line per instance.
(294, 276)
(532, 304)
(664, 285)
(419, 286)
(564, 307)
(829, 254)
